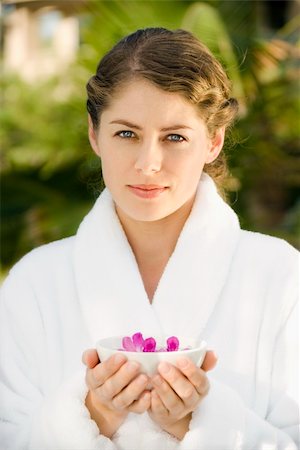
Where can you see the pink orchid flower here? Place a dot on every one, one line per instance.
(172, 344)
(149, 345)
(128, 344)
(137, 343)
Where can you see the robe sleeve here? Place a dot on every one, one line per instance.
(29, 418)
(224, 421)
(35, 418)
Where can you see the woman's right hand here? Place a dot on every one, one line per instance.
(116, 387)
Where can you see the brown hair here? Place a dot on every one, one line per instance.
(175, 61)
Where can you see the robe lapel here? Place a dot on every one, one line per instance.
(110, 287)
(197, 270)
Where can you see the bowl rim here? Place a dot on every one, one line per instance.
(201, 346)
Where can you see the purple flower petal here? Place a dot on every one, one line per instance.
(173, 344)
(128, 344)
(149, 345)
(138, 342)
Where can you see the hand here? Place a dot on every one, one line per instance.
(177, 392)
(116, 387)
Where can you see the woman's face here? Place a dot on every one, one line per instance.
(153, 147)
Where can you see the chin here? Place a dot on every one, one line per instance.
(145, 214)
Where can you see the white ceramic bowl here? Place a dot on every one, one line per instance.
(149, 360)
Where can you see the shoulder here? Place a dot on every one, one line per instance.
(267, 249)
(272, 264)
(268, 267)
(48, 258)
(268, 261)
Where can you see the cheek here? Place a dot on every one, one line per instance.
(117, 148)
(190, 172)
(115, 166)
(190, 163)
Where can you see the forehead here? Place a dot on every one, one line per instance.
(141, 99)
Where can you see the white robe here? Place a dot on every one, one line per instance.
(238, 290)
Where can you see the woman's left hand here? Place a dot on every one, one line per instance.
(177, 392)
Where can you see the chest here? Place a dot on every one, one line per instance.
(150, 280)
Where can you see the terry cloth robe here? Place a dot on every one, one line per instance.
(238, 290)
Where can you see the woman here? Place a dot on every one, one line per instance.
(162, 253)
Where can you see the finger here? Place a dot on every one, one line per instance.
(90, 358)
(120, 380)
(210, 361)
(131, 393)
(157, 407)
(197, 377)
(168, 397)
(178, 381)
(98, 375)
(142, 404)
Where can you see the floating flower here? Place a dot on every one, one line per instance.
(128, 344)
(149, 345)
(137, 343)
(172, 344)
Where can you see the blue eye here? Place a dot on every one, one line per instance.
(125, 134)
(175, 138)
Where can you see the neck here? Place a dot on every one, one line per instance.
(152, 241)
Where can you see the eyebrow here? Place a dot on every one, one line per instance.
(132, 125)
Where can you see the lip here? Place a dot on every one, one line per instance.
(147, 190)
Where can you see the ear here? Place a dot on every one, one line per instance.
(216, 145)
(93, 137)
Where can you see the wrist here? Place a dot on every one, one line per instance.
(107, 420)
(179, 428)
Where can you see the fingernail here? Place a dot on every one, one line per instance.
(146, 397)
(141, 379)
(119, 358)
(157, 380)
(132, 365)
(149, 386)
(164, 367)
(183, 362)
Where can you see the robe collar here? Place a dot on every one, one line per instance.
(109, 285)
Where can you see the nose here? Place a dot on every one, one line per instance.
(149, 159)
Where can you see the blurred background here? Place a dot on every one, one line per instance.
(50, 177)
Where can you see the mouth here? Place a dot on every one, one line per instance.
(147, 190)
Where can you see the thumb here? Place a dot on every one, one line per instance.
(90, 358)
(210, 361)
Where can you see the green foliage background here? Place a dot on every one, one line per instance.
(49, 175)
